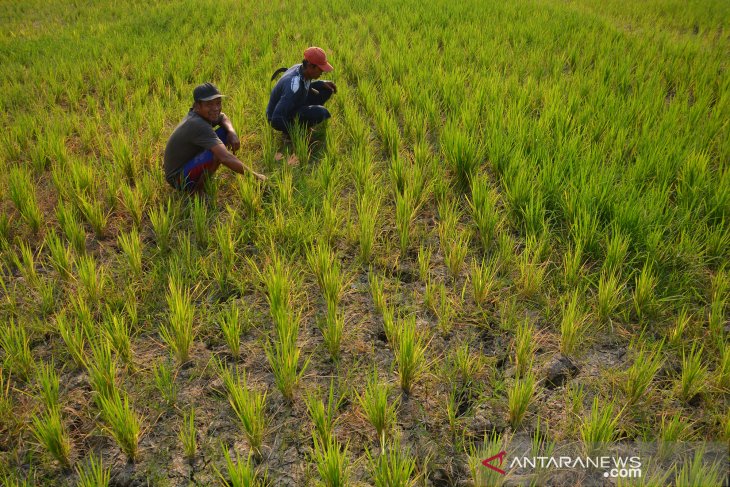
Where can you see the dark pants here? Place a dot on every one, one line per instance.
(312, 112)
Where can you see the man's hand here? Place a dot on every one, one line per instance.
(233, 141)
(259, 176)
(330, 86)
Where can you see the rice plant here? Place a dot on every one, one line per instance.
(362, 167)
(134, 203)
(102, 369)
(332, 462)
(80, 311)
(671, 433)
(188, 435)
(398, 173)
(199, 217)
(534, 216)
(119, 335)
(449, 216)
(74, 337)
(463, 365)
(519, 397)
(250, 194)
(600, 427)
(616, 249)
(333, 327)
(609, 296)
(93, 474)
(71, 227)
(230, 323)
(642, 372)
(410, 354)
(483, 280)
(49, 430)
(723, 368)
(677, 333)
(455, 247)
(248, 405)
(389, 133)
(240, 473)
(326, 267)
(424, 263)
(541, 445)
(697, 471)
(276, 278)
(131, 245)
(179, 332)
(22, 193)
(6, 402)
(445, 310)
(48, 384)
(165, 382)
(226, 244)
(92, 278)
(300, 137)
(405, 212)
(377, 291)
(484, 212)
(716, 316)
(572, 324)
(162, 219)
(375, 406)
(60, 255)
(16, 345)
(461, 153)
(392, 467)
(480, 474)
(644, 298)
(4, 231)
(368, 207)
(323, 417)
(95, 215)
(572, 266)
(532, 272)
(121, 423)
(330, 215)
(694, 374)
(26, 264)
(524, 348)
(283, 356)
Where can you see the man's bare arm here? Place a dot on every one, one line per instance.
(233, 140)
(232, 162)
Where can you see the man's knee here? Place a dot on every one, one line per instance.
(313, 114)
(279, 124)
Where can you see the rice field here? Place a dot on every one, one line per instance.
(514, 229)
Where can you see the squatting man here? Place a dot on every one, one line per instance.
(195, 150)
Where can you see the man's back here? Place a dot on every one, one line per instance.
(288, 94)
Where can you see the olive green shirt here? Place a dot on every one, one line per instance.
(191, 137)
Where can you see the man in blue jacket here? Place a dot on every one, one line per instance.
(297, 96)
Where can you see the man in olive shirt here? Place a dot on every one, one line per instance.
(195, 151)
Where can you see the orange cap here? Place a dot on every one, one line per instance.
(316, 56)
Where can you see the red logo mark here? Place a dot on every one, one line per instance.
(500, 456)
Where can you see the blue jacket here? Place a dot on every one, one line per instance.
(289, 94)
